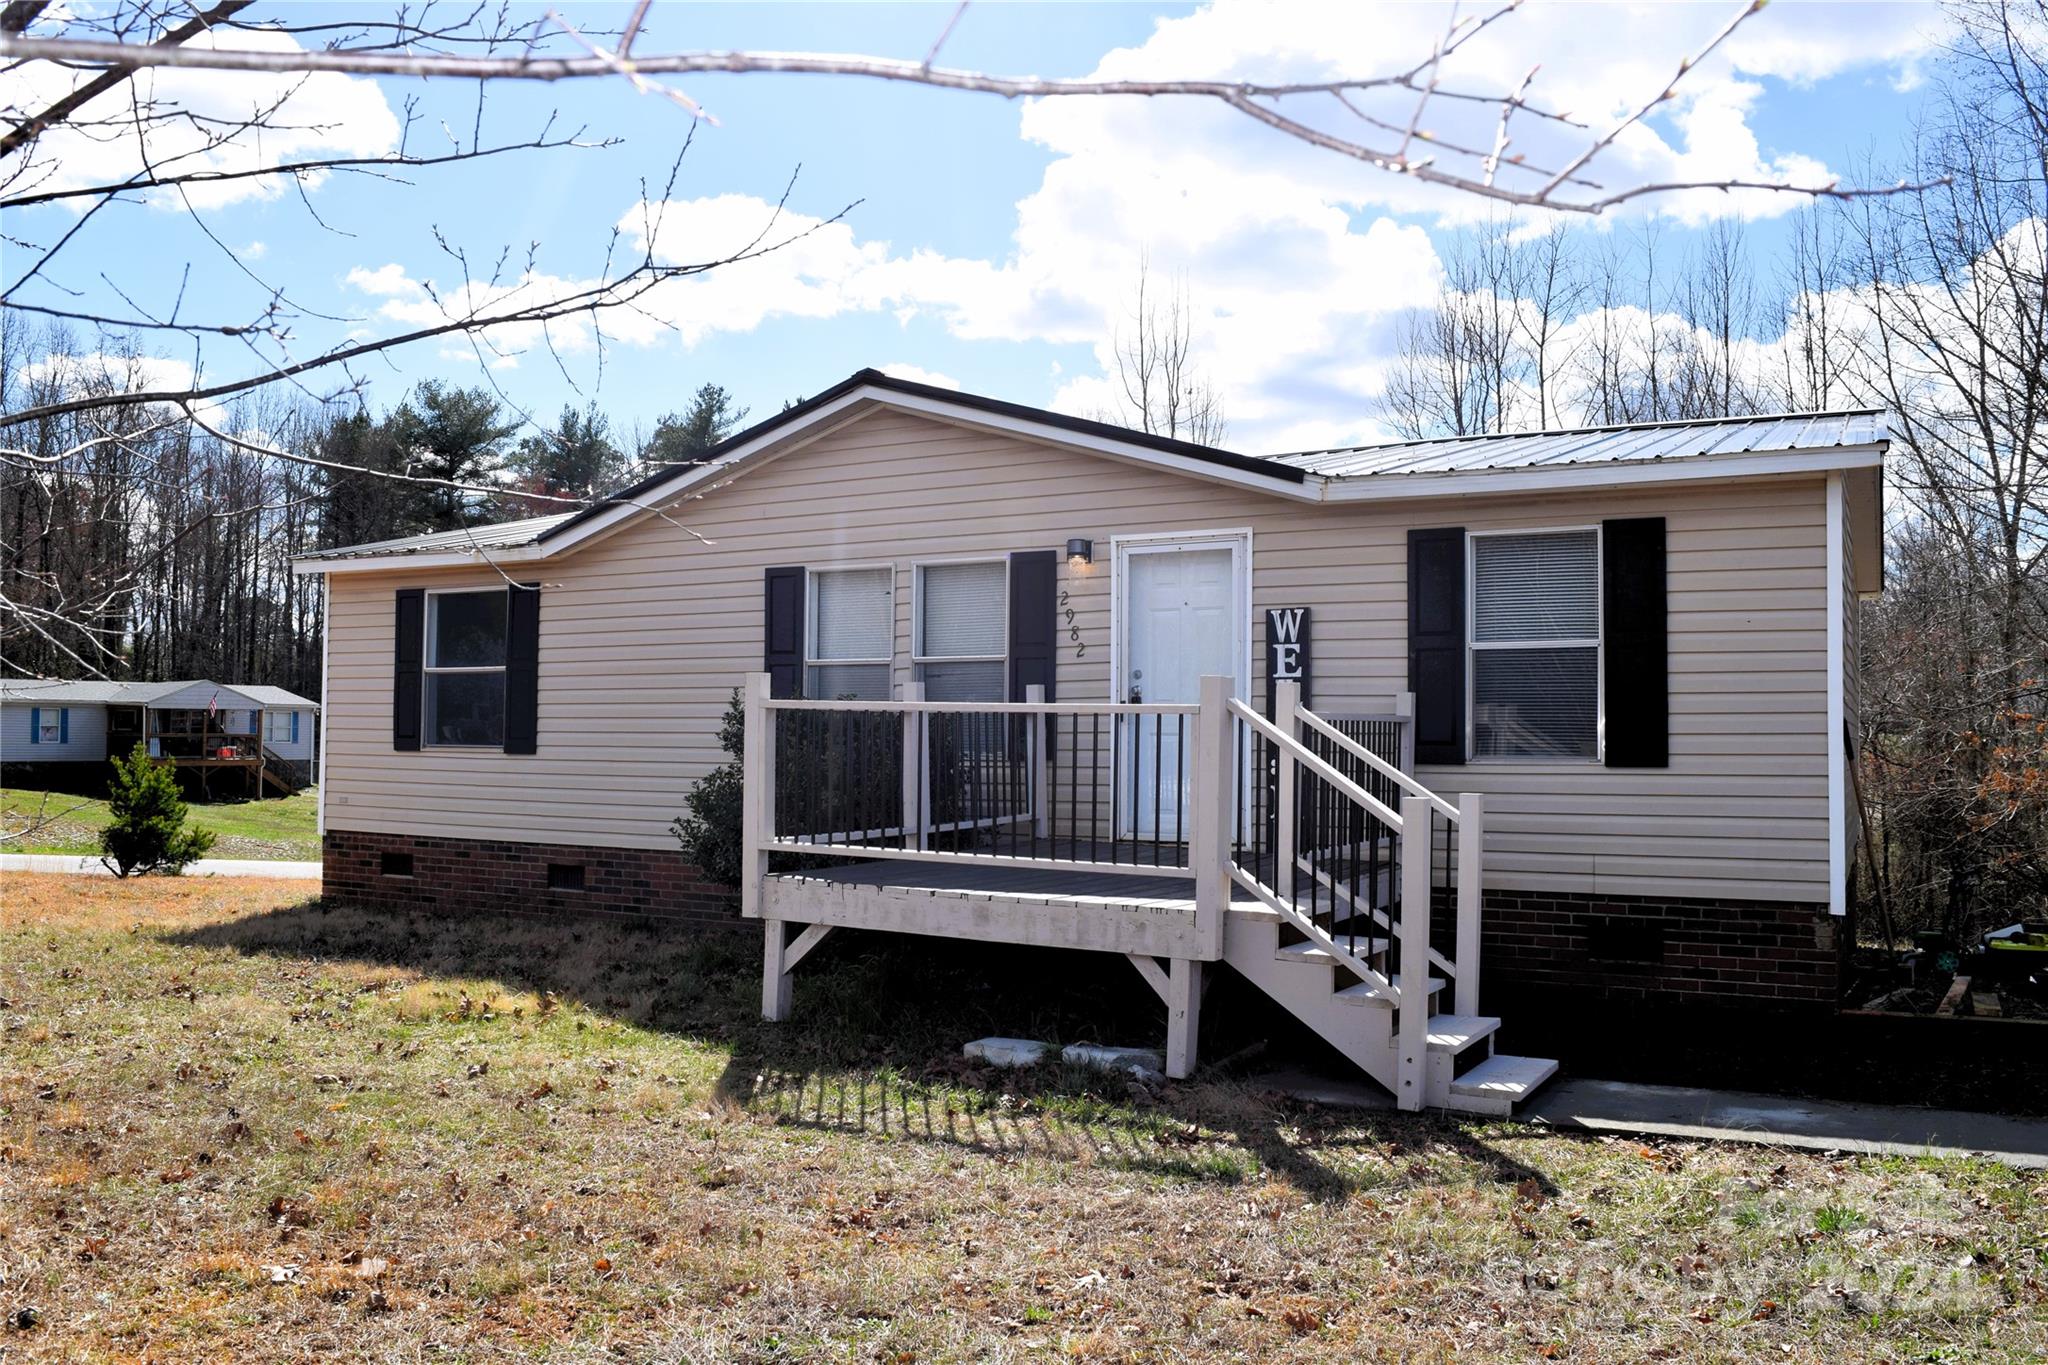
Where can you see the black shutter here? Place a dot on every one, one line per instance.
(1034, 632)
(409, 640)
(1638, 684)
(783, 651)
(1436, 642)
(522, 668)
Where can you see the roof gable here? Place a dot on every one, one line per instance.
(1725, 448)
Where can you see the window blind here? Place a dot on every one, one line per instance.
(965, 611)
(1535, 703)
(851, 614)
(1542, 586)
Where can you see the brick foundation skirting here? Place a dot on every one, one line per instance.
(1771, 954)
(463, 876)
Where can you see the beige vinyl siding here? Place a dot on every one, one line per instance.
(645, 633)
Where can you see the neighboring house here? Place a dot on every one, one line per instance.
(1632, 648)
(262, 735)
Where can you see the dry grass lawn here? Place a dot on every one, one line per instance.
(237, 1126)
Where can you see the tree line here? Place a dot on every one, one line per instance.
(163, 548)
(1931, 306)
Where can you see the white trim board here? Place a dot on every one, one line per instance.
(1837, 680)
(1312, 487)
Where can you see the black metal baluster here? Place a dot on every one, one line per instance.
(1181, 792)
(1106, 786)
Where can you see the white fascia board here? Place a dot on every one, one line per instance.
(480, 556)
(1566, 478)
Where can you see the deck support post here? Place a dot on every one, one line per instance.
(1471, 858)
(916, 791)
(757, 791)
(1286, 837)
(1212, 790)
(1404, 708)
(1411, 931)
(1183, 1016)
(776, 981)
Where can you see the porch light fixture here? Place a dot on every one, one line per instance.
(1080, 552)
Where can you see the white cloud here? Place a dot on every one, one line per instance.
(305, 117)
(918, 375)
(1297, 262)
(79, 374)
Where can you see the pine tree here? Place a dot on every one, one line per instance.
(575, 460)
(457, 435)
(148, 833)
(680, 438)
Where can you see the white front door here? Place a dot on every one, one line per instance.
(1183, 616)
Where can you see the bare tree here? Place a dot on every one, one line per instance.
(1161, 388)
(1956, 347)
(1491, 353)
(76, 448)
(1720, 308)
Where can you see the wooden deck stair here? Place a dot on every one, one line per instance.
(1296, 879)
(1462, 1073)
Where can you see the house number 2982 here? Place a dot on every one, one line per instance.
(1073, 631)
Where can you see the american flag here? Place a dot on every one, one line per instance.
(212, 706)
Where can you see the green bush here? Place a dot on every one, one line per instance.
(710, 834)
(148, 833)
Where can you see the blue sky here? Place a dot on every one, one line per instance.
(993, 242)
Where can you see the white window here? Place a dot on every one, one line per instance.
(1535, 645)
(961, 643)
(850, 636)
(50, 727)
(277, 726)
(465, 668)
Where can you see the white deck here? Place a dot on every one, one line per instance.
(1142, 912)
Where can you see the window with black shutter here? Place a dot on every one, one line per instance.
(1535, 641)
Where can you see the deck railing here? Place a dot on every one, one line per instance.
(1317, 817)
(1095, 786)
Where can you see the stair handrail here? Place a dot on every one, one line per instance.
(1405, 781)
(1310, 930)
(1316, 764)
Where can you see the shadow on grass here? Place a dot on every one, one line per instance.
(873, 1046)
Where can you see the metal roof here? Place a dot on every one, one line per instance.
(264, 695)
(133, 693)
(501, 535)
(1626, 444)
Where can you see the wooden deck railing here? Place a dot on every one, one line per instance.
(1302, 811)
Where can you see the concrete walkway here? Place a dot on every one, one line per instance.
(91, 866)
(1741, 1116)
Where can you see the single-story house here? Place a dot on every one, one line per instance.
(1032, 678)
(61, 730)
